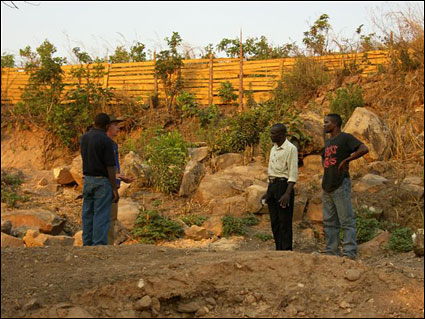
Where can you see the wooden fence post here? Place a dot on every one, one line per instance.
(155, 75)
(240, 109)
(210, 91)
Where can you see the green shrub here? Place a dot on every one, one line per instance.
(187, 104)
(236, 226)
(263, 237)
(366, 228)
(208, 115)
(345, 101)
(401, 240)
(150, 227)
(10, 188)
(226, 92)
(197, 220)
(167, 156)
(250, 220)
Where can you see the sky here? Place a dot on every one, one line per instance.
(97, 27)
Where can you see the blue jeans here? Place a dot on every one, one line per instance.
(338, 213)
(97, 202)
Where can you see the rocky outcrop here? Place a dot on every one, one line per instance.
(192, 176)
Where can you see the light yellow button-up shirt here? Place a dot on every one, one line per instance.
(284, 161)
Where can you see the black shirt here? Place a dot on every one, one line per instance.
(336, 150)
(97, 152)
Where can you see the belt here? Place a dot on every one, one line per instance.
(273, 179)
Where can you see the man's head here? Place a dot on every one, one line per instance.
(114, 127)
(278, 133)
(332, 121)
(102, 121)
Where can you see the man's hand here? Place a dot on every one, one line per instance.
(125, 179)
(284, 200)
(264, 198)
(115, 196)
(342, 166)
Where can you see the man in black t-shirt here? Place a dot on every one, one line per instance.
(338, 213)
(99, 189)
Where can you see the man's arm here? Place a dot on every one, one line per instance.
(113, 181)
(361, 150)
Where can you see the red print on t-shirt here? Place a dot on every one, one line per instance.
(329, 151)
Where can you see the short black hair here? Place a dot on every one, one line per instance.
(336, 118)
(280, 127)
(102, 120)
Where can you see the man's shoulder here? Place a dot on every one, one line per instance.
(291, 145)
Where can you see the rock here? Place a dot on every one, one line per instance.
(372, 131)
(156, 305)
(312, 164)
(234, 206)
(76, 170)
(78, 239)
(299, 206)
(313, 126)
(374, 246)
(344, 304)
(78, 312)
(224, 161)
(413, 180)
(143, 303)
(31, 305)
(6, 226)
(43, 182)
(44, 220)
(315, 210)
(214, 224)
(192, 176)
(198, 154)
(418, 242)
(10, 241)
(370, 183)
(36, 239)
(197, 233)
(132, 166)
(253, 198)
(62, 175)
(379, 167)
(127, 212)
(188, 307)
(352, 274)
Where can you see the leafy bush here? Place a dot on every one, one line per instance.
(10, 187)
(150, 227)
(187, 104)
(263, 237)
(167, 156)
(366, 228)
(236, 226)
(208, 115)
(401, 240)
(346, 100)
(226, 92)
(197, 220)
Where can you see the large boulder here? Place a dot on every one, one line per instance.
(77, 170)
(127, 212)
(10, 241)
(199, 153)
(372, 131)
(370, 183)
(43, 220)
(313, 126)
(374, 246)
(234, 206)
(132, 166)
(192, 176)
(197, 233)
(418, 242)
(224, 161)
(254, 194)
(312, 165)
(37, 239)
(62, 175)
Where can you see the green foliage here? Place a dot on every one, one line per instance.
(346, 100)
(316, 38)
(10, 188)
(168, 66)
(186, 103)
(304, 79)
(208, 115)
(263, 237)
(226, 92)
(136, 54)
(150, 227)
(197, 220)
(7, 60)
(167, 156)
(236, 226)
(366, 228)
(401, 240)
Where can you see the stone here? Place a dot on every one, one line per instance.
(370, 183)
(36, 239)
(143, 303)
(78, 239)
(8, 241)
(76, 170)
(192, 176)
(44, 220)
(6, 226)
(43, 182)
(224, 161)
(132, 166)
(234, 206)
(188, 307)
(214, 224)
(313, 126)
(198, 154)
(312, 164)
(62, 175)
(315, 210)
(352, 274)
(254, 194)
(127, 212)
(374, 246)
(197, 233)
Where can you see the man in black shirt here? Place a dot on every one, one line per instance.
(99, 189)
(338, 213)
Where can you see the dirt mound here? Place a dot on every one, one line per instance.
(166, 282)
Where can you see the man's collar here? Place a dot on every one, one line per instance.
(283, 144)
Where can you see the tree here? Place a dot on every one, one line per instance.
(168, 66)
(316, 38)
(7, 60)
(136, 54)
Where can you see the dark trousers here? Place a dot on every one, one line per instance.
(280, 218)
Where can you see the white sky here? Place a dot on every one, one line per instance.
(98, 27)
